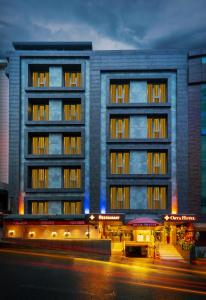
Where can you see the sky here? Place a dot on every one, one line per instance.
(109, 24)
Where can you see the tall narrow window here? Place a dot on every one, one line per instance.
(72, 79)
(39, 178)
(39, 207)
(72, 178)
(156, 93)
(40, 79)
(120, 197)
(119, 93)
(156, 162)
(156, 197)
(40, 145)
(119, 162)
(72, 112)
(72, 207)
(119, 128)
(156, 128)
(39, 112)
(72, 145)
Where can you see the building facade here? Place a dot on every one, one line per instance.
(106, 144)
(98, 131)
(4, 133)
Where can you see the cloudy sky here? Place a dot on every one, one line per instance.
(109, 24)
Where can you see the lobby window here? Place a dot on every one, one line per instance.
(119, 92)
(72, 178)
(39, 178)
(72, 111)
(156, 162)
(39, 145)
(40, 77)
(72, 144)
(156, 197)
(72, 207)
(119, 128)
(156, 93)
(72, 76)
(120, 197)
(39, 207)
(119, 162)
(156, 127)
(38, 111)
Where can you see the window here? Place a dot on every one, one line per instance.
(156, 197)
(119, 93)
(156, 162)
(119, 128)
(72, 145)
(39, 178)
(72, 178)
(120, 197)
(156, 93)
(39, 112)
(39, 207)
(156, 127)
(40, 79)
(40, 145)
(72, 76)
(72, 112)
(72, 207)
(119, 162)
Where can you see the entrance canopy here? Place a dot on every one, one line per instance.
(143, 221)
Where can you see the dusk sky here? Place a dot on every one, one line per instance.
(109, 24)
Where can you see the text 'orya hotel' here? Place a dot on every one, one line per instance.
(98, 131)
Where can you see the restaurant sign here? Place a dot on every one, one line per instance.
(180, 218)
(104, 217)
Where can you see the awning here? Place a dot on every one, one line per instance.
(144, 221)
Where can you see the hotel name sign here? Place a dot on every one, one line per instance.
(178, 218)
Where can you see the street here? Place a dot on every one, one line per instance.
(33, 275)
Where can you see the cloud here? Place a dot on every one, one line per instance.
(109, 24)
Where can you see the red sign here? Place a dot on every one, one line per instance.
(180, 218)
(105, 217)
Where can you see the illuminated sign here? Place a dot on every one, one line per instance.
(178, 218)
(105, 217)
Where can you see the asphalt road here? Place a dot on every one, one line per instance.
(32, 275)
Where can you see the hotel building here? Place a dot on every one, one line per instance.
(104, 132)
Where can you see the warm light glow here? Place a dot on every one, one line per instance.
(21, 203)
(67, 234)
(54, 234)
(174, 205)
(31, 234)
(11, 233)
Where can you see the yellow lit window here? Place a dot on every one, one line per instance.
(72, 79)
(119, 93)
(40, 79)
(156, 162)
(120, 197)
(156, 197)
(156, 128)
(156, 93)
(72, 178)
(72, 207)
(119, 162)
(39, 207)
(72, 145)
(39, 178)
(39, 112)
(119, 128)
(40, 145)
(72, 112)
